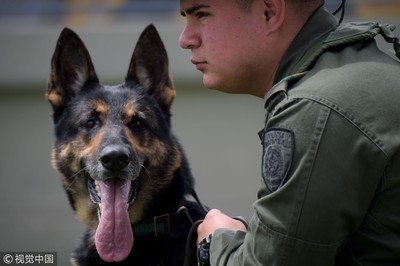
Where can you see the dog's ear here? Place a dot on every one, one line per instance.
(149, 67)
(71, 70)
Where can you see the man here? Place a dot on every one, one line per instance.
(331, 144)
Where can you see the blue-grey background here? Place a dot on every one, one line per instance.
(218, 131)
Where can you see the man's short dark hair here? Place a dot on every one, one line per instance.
(246, 4)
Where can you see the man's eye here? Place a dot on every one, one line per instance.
(201, 14)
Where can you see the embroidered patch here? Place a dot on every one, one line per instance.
(278, 151)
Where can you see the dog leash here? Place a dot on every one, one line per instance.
(193, 228)
(192, 231)
(198, 201)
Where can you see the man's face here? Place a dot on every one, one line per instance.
(225, 42)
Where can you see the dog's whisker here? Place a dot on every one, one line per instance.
(75, 177)
(105, 184)
(144, 167)
(148, 173)
(125, 185)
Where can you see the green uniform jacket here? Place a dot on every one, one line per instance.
(330, 193)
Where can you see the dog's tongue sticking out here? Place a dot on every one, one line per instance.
(114, 236)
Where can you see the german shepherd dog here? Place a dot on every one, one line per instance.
(124, 171)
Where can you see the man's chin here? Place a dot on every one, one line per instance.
(212, 83)
(219, 85)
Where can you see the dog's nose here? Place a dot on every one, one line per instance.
(114, 158)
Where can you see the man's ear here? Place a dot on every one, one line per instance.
(274, 12)
(71, 70)
(149, 67)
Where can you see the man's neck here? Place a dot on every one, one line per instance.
(314, 30)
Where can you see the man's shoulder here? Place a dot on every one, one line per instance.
(351, 71)
(361, 85)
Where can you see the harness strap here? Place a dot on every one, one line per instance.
(169, 222)
(163, 224)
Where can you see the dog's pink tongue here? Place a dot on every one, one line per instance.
(114, 236)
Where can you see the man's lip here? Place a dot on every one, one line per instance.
(200, 65)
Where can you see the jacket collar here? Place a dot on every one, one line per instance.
(310, 37)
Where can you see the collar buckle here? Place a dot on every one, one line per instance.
(162, 224)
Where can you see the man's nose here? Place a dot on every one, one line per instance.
(188, 39)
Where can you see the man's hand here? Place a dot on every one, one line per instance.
(214, 220)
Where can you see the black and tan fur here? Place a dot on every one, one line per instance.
(134, 118)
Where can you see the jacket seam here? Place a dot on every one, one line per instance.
(287, 238)
(319, 131)
(349, 117)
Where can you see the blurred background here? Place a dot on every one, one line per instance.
(218, 131)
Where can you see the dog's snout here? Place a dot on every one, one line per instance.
(114, 158)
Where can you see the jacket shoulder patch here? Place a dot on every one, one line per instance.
(278, 150)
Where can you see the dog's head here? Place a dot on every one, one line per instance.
(114, 147)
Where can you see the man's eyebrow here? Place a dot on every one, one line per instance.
(193, 9)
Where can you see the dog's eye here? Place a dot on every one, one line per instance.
(89, 124)
(138, 123)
